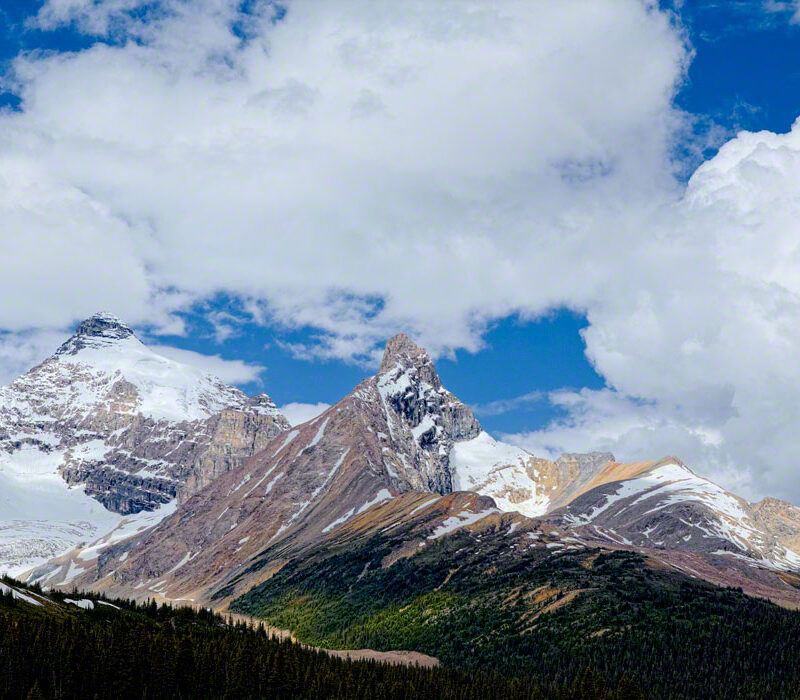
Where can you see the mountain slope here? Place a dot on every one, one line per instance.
(393, 434)
(106, 428)
(664, 505)
(480, 589)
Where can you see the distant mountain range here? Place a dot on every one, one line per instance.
(128, 473)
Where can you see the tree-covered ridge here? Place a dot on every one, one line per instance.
(151, 651)
(545, 615)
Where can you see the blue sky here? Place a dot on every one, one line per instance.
(746, 70)
(286, 186)
(520, 358)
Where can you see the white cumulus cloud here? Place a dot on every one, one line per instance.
(700, 343)
(365, 167)
(357, 167)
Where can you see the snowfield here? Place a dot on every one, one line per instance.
(496, 469)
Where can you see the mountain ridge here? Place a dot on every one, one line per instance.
(401, 432)
(392, 434)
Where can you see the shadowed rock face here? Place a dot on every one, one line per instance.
(423, 418)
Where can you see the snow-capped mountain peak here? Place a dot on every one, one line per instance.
(100, 330)
(518, 480)
(105, 360)
(128, 427)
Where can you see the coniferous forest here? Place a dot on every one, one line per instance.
(632, 633)
(673, 636)
(156, 651)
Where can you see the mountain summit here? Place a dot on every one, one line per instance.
(422, 416)
(401, 351)
(132, 430)
(96, 331)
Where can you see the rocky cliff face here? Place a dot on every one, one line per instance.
(123, 425)
(423, 418)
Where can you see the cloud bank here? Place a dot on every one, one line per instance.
(360, 168)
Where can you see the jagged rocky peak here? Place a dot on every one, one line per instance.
(420, 409)
(101, 329)
(402, 352)
(408, 380)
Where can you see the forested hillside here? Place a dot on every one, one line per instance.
(547, 617)
(118, 649)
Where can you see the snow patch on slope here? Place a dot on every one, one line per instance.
(19, 595)
(498, 470)
(672, 483)
(455, 522)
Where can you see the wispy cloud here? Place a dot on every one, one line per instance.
(496, 408)
(229, 371)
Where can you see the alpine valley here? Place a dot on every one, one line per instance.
(392, 521)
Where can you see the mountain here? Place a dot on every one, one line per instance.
(401, 432)
(517, 479)
(664, 505)
(393, 434)
(452, 577)
(393, 521)
(107, 433)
